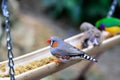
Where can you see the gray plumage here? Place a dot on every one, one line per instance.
(65, 49)
(91, 34)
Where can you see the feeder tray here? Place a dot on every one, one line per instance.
(40, 63)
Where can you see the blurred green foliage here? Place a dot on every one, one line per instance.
(78, 11)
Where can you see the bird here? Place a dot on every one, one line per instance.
(108, 21)
(64, 51)
(92, 35)
(109, 24)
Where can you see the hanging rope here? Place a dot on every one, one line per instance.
(112, 8)
(8, 39)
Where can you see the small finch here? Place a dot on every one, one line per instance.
(91, 35)
(64, 51)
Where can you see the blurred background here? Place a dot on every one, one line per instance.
(34, 21)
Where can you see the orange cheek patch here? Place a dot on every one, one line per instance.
(55, 44)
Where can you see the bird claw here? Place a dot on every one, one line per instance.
(57, 62)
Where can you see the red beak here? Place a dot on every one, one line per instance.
(48, 41)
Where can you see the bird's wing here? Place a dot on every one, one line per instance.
(68, 49)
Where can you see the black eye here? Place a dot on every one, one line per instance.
(52, 42)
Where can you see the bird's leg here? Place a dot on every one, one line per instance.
(57, 61)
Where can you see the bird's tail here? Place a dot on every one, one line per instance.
(85, 56)
(90, 58)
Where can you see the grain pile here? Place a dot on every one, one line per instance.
(26, 67)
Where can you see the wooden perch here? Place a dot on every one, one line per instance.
(50, 68)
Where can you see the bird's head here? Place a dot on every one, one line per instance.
(54, 41)
(85, 26)
(101, 27)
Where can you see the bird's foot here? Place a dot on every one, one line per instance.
(57, 62)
